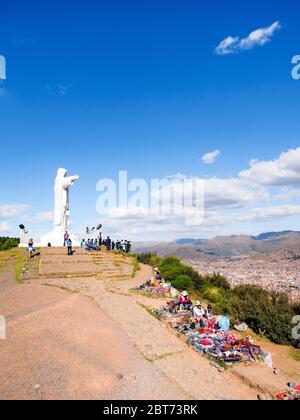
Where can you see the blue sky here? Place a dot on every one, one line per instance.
(97, 87)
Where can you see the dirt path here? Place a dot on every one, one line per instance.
(167, 355)
(99, 342)
(63, 346)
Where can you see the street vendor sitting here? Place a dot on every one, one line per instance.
(157, 279)
(185, 300)
(157, 273)
(208, 313)
(210, 319)
(158, 276)
(198, 313)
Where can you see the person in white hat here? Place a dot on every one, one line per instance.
(185, 300)
(198, 312)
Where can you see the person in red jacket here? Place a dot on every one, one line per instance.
(185, 300)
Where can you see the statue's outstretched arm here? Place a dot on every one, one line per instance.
(69, 181)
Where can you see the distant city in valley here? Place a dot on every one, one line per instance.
(270, 260)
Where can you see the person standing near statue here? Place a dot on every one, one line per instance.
(70, 246)
(108, 243)
(66, 237)
(30, 249)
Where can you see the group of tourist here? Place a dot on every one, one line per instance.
(89, 244)
(111, 245)
(123, 245)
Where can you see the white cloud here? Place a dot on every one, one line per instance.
(9, 211)
(4, 227)
(46, 216)
(221, 194)
(284, 171)
(179, 176)
(260, 214)
(63, 89)
(210, 158)
(259, 37)
(231, 205)
(286, 194)
(147, 227)
(269, 213)
(228, 45)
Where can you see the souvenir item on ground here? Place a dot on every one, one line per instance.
(214, 339)
(241, 327)
(161, 289)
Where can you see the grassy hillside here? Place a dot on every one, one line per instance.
(8, 243)
(267, 313)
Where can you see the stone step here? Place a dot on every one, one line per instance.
(116, 278)
(59, 276)
(108, 271)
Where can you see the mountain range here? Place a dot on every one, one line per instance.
(279, 244)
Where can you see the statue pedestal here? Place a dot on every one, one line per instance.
(23, 245)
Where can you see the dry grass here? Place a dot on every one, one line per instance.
(135, 266)
(295, 354)
(14, 260)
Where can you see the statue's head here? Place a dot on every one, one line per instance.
(61, 172)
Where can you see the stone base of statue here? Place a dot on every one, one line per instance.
(23, 245)
(56, 238)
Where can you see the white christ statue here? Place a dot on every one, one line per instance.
(62, 206)
(61, 209)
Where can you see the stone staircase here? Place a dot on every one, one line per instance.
(54, 263)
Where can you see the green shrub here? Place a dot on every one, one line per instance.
(182, 282)
(148, 258)
(169, 262)
(213, 295)
(8, 243)
(268, 313)
(296, 308)
(171, 273)
(217, 280)
(192, 273)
